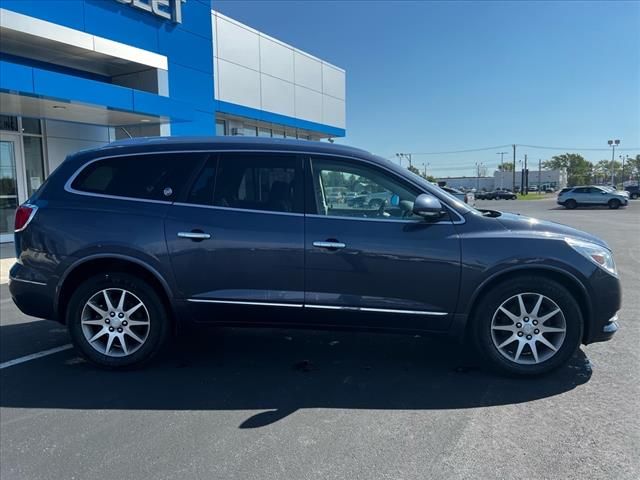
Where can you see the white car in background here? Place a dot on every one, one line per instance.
(468, 197)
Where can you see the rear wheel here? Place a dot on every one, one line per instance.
(614, 204)
(117, 320)
(570, 204)
(634, 196)
(529, 326)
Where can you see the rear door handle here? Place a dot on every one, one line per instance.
(329, 245)
(195, 235)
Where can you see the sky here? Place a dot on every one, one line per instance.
(446, 76)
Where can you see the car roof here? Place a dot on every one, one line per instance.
(160, 144)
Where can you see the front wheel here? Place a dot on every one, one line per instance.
(529, 326)
(117, 320)
(614, 204)
(634, 196)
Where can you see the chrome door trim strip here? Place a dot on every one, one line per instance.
(232, 209)
(14, 279)
(239, 302)
(322, 307)
(375, 310)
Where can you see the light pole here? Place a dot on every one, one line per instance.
(478, 166)
(623, 157)
(502, 154)
(426, 164)
(613, 144)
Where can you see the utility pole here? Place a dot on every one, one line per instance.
(425, 168)
(539, 175)
(502, 172)
(513, 186)
(524, 187)
(613, 144)
(478, 165)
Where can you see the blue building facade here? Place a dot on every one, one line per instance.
(76, 74)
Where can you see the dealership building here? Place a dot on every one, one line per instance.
(76, 74)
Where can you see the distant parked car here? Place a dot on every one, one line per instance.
(501, 195)
(468, 197)
(532, 188)
(371, 200)
(591, 195)
(482, 195)
(633, 190)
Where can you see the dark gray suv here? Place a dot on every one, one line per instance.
(126, 243)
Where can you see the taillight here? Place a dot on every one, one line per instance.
(24, 214)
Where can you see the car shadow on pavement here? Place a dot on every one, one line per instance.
(278, 372)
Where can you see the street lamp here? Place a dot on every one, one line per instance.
(613, 144)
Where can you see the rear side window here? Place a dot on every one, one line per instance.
(581, 190)
(150, 177)
(260, 181)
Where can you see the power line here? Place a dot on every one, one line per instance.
(577, 148)
(459, 151)
(471, 150)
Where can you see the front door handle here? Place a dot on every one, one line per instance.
(195, 235)
(331, 245)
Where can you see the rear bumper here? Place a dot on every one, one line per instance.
(33, 297)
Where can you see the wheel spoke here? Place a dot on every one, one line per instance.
(546, 317)
(96, 309)
(93, 322)
(109, 343)
(98, 335)
(547, 343)
(512, 317)
(121, 301)
(534, 349)
(107, 300)
(133, 335)
(137, 323)
(546, 329)
(536, 308)
(521, 344)
(523, 311)
(133, 309)
(505, 328)
(509, 340)
(123, 344)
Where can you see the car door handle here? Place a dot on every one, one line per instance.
(195, 235)
(329, 245)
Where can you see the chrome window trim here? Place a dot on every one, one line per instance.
(67, 186)
(315, 306)
(14, 279)
(233, 209)
(240, 302)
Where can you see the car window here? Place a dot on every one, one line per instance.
(260, 181)
(581, 190)
(151, 177)
(201, 191)
(363, 191)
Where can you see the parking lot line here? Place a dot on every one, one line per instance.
(33, 356)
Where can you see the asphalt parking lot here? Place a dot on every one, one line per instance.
(261, 404)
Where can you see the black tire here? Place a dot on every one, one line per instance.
(570, 204)
(158, 319)
(488, 305)
(614, 204)
(634, 196)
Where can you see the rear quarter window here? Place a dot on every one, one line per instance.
(150, 177)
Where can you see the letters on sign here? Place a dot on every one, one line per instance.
(167, 9)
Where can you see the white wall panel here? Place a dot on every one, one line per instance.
(79, 131)
(308, 71)
(333, 81)
(277, 96)
(237, 44)
(59, 148)
(276, 59)
(333, 111)
(238, 84)
(308, 104)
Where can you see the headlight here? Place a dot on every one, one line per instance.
(594, 252)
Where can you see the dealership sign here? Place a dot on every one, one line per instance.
(167, 9)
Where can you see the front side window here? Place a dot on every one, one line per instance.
(260, 181)
(351, 189)
(150, 177)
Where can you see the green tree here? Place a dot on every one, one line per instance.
(578, 169)
(505, 167)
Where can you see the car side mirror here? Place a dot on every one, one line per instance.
(428, 207)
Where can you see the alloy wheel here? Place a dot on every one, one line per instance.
(115, 322)
(528, 328)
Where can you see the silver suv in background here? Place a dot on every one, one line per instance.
(591, 195)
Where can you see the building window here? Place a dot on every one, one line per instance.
(8, 123)
(221, 127)
(264, 132)
(33, 162)
(250, 131)
(277, 134)
(31, 125)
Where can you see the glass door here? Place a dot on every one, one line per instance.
(11, 183)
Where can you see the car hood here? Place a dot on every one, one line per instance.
(527, 225)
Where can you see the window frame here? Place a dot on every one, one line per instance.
(311, 206)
